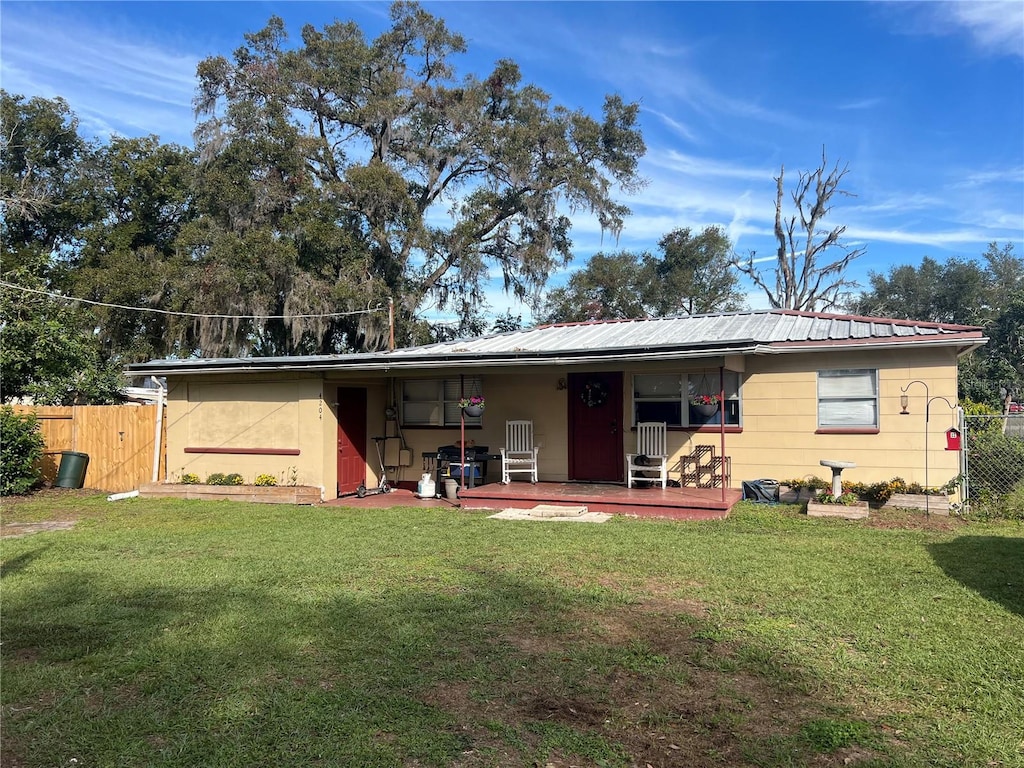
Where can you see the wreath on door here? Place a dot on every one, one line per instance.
(594, 393)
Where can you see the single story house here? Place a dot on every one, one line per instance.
(794, 388)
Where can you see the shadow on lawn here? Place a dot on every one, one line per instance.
(993, 566)
(478, 662)
(15, 564)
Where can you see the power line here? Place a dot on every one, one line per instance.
(52, 295)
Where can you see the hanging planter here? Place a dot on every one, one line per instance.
(705, 405)
(473, 405)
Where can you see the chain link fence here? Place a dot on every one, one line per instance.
(994, 465)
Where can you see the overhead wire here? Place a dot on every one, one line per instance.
(204, 316)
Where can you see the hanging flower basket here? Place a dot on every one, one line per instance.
(473, 405)
(705, 405)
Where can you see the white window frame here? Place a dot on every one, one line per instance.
(678, 392)
(435, 402)
(848, 398)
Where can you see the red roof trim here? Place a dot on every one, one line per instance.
(880, 320)
(876, 341)
(791, 312)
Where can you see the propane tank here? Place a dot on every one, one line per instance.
(426, 487)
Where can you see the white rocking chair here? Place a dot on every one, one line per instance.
(519, 453)
(650, 456)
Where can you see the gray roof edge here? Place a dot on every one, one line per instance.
(378, 363)
(381, 362)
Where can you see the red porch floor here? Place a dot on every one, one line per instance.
(676, 503)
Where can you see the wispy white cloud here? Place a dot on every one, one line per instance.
(940, 239)
(973, 179)
(114, 84)
(709, 168)
(861, 104)
(674, 125)
(995, 27)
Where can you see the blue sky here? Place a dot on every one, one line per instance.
(923, 101)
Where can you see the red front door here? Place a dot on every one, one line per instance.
(351, 439)
(595, 428)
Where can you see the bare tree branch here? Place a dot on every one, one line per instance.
(802, 281)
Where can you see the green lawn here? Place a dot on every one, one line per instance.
(169, 633)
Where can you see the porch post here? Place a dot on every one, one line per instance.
(462, 433)
(721, 422)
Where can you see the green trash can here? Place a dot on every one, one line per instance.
(71, 473)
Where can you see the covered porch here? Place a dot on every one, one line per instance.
(675, 503)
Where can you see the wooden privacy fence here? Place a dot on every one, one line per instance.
(117, 438)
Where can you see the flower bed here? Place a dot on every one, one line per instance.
(265, 494)
(937, 504)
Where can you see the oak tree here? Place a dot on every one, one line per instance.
(691, 274)
(695, 273)
(378, 171)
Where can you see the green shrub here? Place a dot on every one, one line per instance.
(219, 478)
(190, 478)
(266, 479)
(845, 499)
(21, 450)
(987, 506)
(1012, 504)
(997, 462)
(812, 483)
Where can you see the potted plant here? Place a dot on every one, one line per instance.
(705, 405)
(472, 405)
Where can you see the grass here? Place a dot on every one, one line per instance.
(171, 633)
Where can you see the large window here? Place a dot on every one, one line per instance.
(668, 397)
(848, 397)
(435, 402)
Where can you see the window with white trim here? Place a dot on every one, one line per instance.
(848, 397)
(667, 397)
(435, 402)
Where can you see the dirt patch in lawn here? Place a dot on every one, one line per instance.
(14, 530)
(912, 520)
(45, 509)
(639, 686)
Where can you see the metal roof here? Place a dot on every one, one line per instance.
(772, 331)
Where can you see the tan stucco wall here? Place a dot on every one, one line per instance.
(234, 416)
(511, 394)
(778, 437)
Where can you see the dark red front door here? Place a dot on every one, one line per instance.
(595, 428)
(351, 439)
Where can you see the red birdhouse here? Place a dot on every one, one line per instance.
(952, 439)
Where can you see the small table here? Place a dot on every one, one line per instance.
(837, 468)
